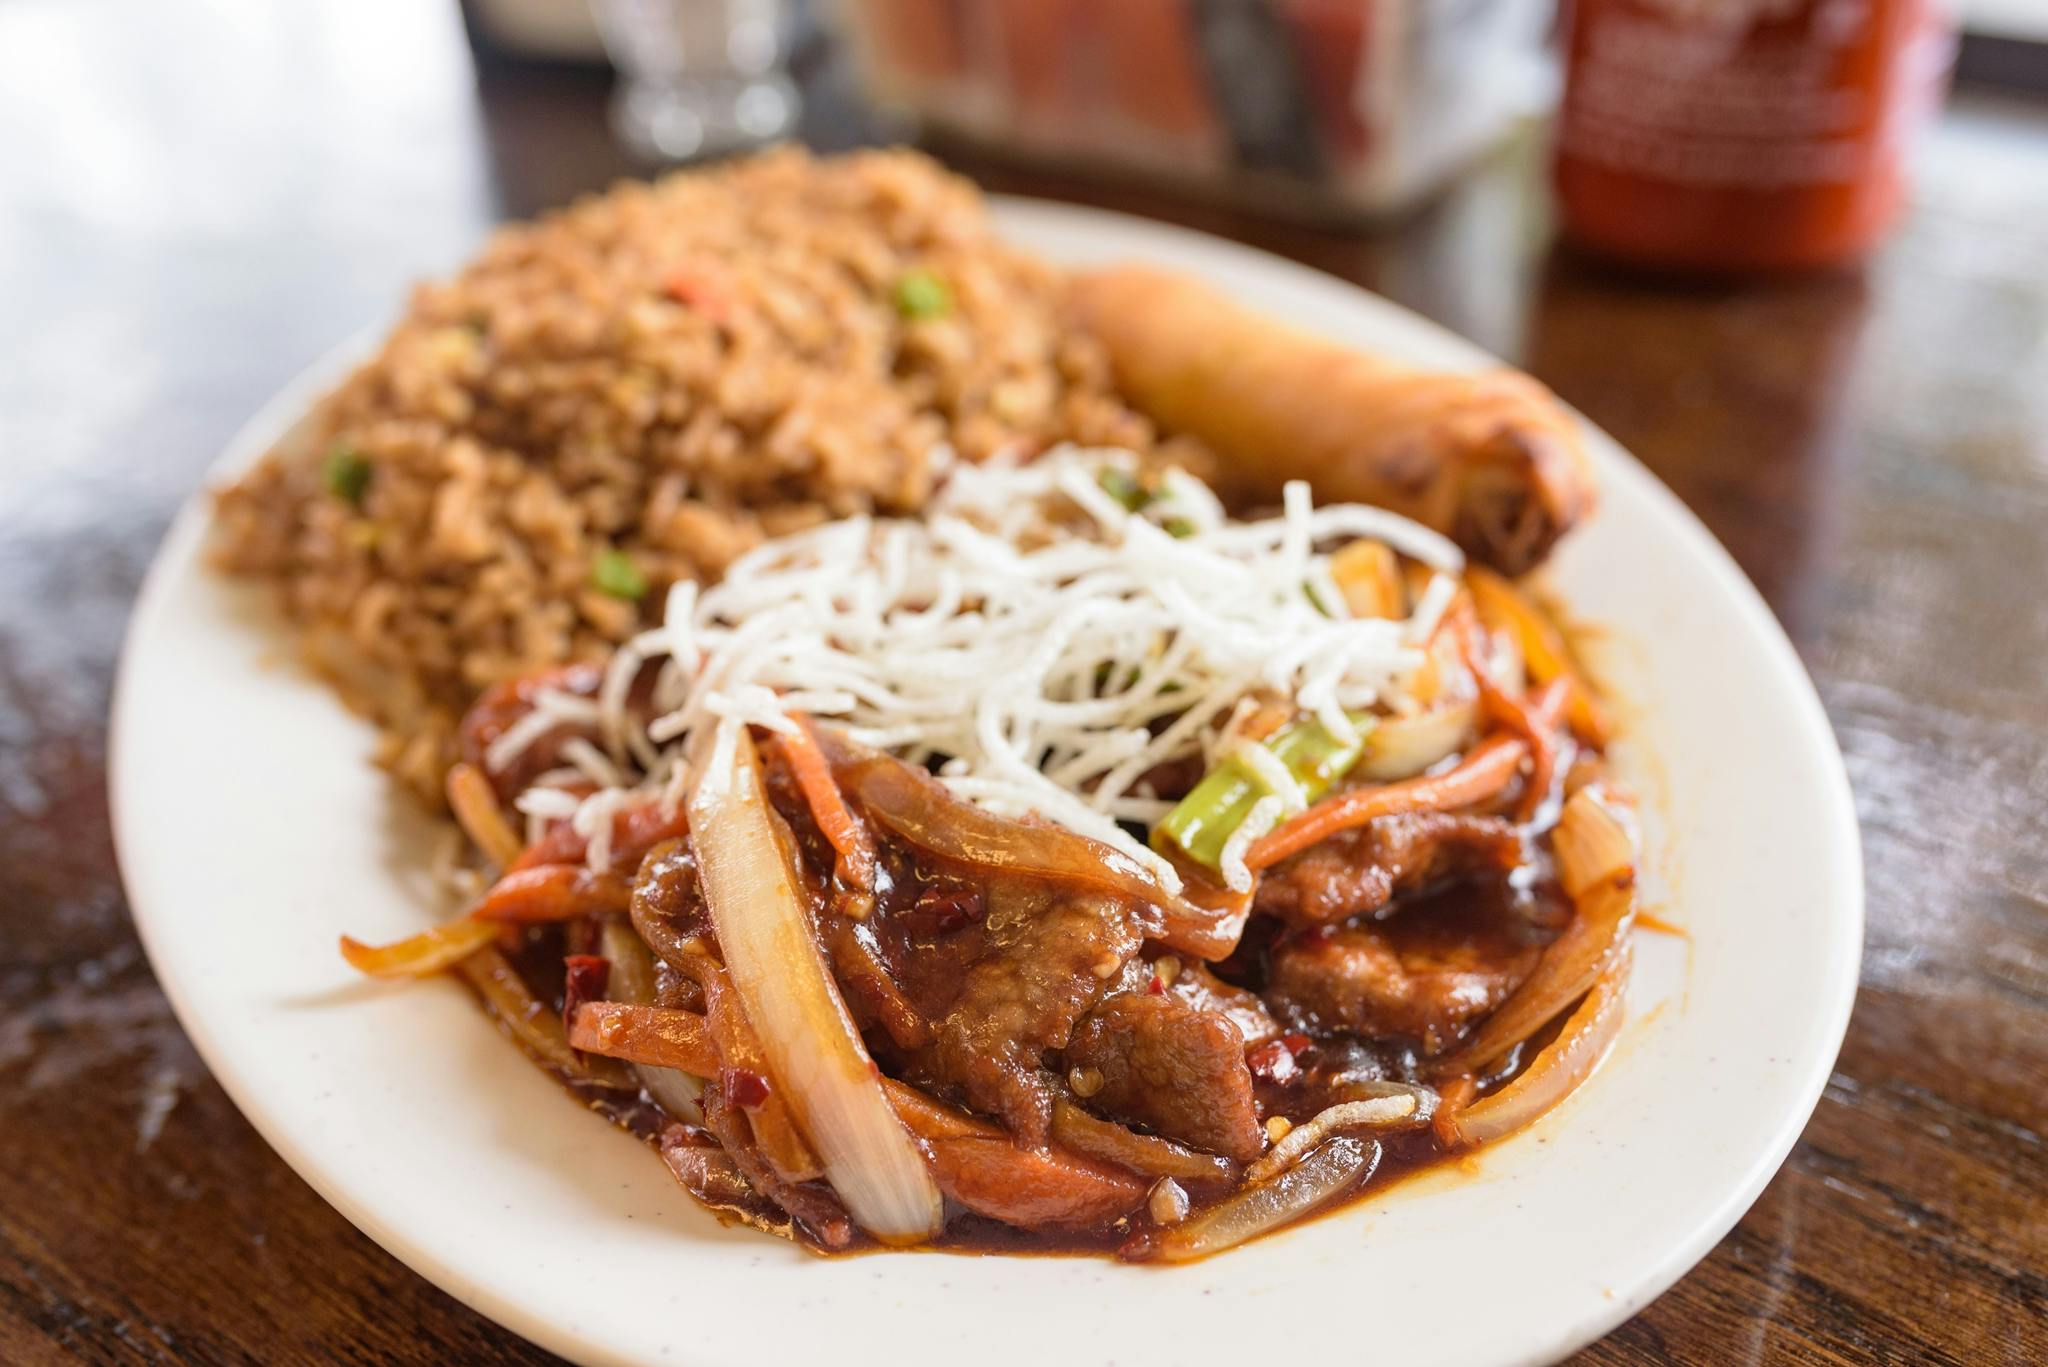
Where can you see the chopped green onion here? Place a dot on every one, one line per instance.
(346, 474)
(1178, 526)
(1203, 821)
(1122, 486)
(920, 294)
(615, 573)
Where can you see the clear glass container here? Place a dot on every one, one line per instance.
(698, 77)
(1748, 136)
(1316, 107)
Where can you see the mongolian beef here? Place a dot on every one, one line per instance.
(1107, 847)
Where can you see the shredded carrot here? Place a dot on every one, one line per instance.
(828, 806)
(1545, 753)
(1657, 925)
(1520, 715)
(1484, 771)
(1543, 649)
(475, 804)
(1452, 1098)
(430, 951)
(552, 892)
(654, 1035)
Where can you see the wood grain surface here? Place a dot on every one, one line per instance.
(195, 201)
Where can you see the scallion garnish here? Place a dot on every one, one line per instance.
(346, 474)
(920, 294)
(1203, 821)
(1123, 486)
(614, 573)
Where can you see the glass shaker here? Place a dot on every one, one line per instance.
(698, 78)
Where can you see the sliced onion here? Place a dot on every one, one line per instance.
(1595, 861)
(1340, 1165)
(814, 1052)
(632, 977)
(1557, 1071)
(430, 951)
(1141, 1153)
(1592, 842)
(1168, 1203)
(930, 1118)
(673, 1089)
(525, 1015)
(920, 810)
(1402, 747)
(773, 1122)
(1398, 1112)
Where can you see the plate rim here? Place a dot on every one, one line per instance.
(181, 550)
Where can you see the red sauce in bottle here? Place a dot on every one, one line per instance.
(1742, 135)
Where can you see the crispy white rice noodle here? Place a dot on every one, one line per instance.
(1050, 644)
(1263, 817)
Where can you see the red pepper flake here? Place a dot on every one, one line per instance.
(584, 978)
(744, 1088)
(1157, 987)
(1273, 1061)
(1295, 1041)
(948, 909)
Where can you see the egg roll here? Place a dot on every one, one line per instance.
(1493, 460)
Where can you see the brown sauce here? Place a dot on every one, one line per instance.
(1428, 965)
(1465, 917)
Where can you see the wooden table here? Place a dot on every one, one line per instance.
(194, 205)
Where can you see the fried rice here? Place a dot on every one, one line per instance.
(635, 390)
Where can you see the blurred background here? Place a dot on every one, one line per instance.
(1793, 253)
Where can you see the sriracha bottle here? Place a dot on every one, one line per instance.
(1742, 135)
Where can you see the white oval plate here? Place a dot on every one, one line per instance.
(252, 831)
